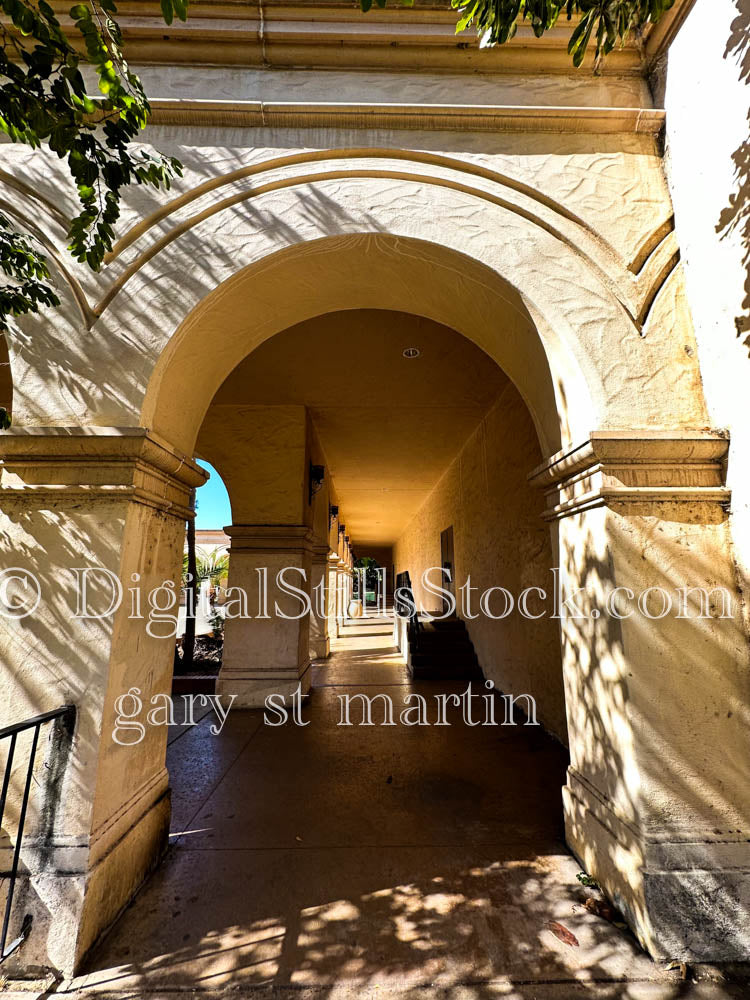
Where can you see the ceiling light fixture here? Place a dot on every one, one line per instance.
(412, 352)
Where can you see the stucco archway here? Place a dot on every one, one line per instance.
(120, 444)
(360, 272)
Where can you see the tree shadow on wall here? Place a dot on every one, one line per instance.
(736, 216)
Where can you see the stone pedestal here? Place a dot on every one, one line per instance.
(267, 631)
(657, 803)
(320, 644)
(343, 595)
(332, 605)
(111, 501)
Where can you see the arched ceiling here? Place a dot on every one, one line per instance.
(389, 426)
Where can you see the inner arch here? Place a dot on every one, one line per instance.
(374, 271)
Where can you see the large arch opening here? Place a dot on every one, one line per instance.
(411, 445)
(611, 492)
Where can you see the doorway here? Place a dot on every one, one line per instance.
(447, 563)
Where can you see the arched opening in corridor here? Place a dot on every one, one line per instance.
(408, 448)
(367, 431)
(428, 834)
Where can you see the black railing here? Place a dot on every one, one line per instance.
(405, 606)
(67, 716)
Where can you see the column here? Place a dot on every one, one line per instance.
(657, 801)
(332, 593)
(267, 634)
(113, 502)
(341, 594)
(320, 646)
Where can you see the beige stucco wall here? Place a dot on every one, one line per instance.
(260, 452)
(316, 508)
(707, 97)
(569, 213)
(499, 540)
(548, 247)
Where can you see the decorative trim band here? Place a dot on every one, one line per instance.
(663, 847)
(627, 469)
(61, 466)
(322, 33)
(441, 117)
(270, 537)
(128, 815)
(320, 554)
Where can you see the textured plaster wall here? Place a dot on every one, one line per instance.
(260, 453)
(303, 86)
(60, 659)
(499, 540)
(532, 245)
(6, 380)
(567, 214)
(317, 510)
(707, 97)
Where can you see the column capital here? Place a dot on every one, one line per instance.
(270, 537)
(628, 469)
(40, 466)
(320, 553)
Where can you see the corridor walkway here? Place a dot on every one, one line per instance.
(331, 861)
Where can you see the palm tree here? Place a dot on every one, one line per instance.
(210, 565)
(213, 566)
(188, 639)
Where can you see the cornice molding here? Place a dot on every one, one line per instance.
(275, 33)
(270, 537)
(631, 471)
(439, 117)
(59, 466)
(661, 35)
(320, 553)
(327, 35)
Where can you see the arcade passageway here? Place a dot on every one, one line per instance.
(345, 859)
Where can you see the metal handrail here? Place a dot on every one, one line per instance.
(403, 583)
(68, 713)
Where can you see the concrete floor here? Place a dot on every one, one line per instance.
(330, 862)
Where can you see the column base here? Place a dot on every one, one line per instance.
(320, 649)
(686, 895)
(252, 689)
(71, 908)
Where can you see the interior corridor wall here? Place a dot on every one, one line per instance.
(500, 540)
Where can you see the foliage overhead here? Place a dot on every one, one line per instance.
(44, 98)
(605, 21)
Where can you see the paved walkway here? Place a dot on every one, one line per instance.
(324, 861)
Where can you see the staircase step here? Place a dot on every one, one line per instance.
(445, 625)
(444, 651)
(445, 673)
(427, 641)
(445, 665)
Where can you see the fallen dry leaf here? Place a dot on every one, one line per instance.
(562, 933)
